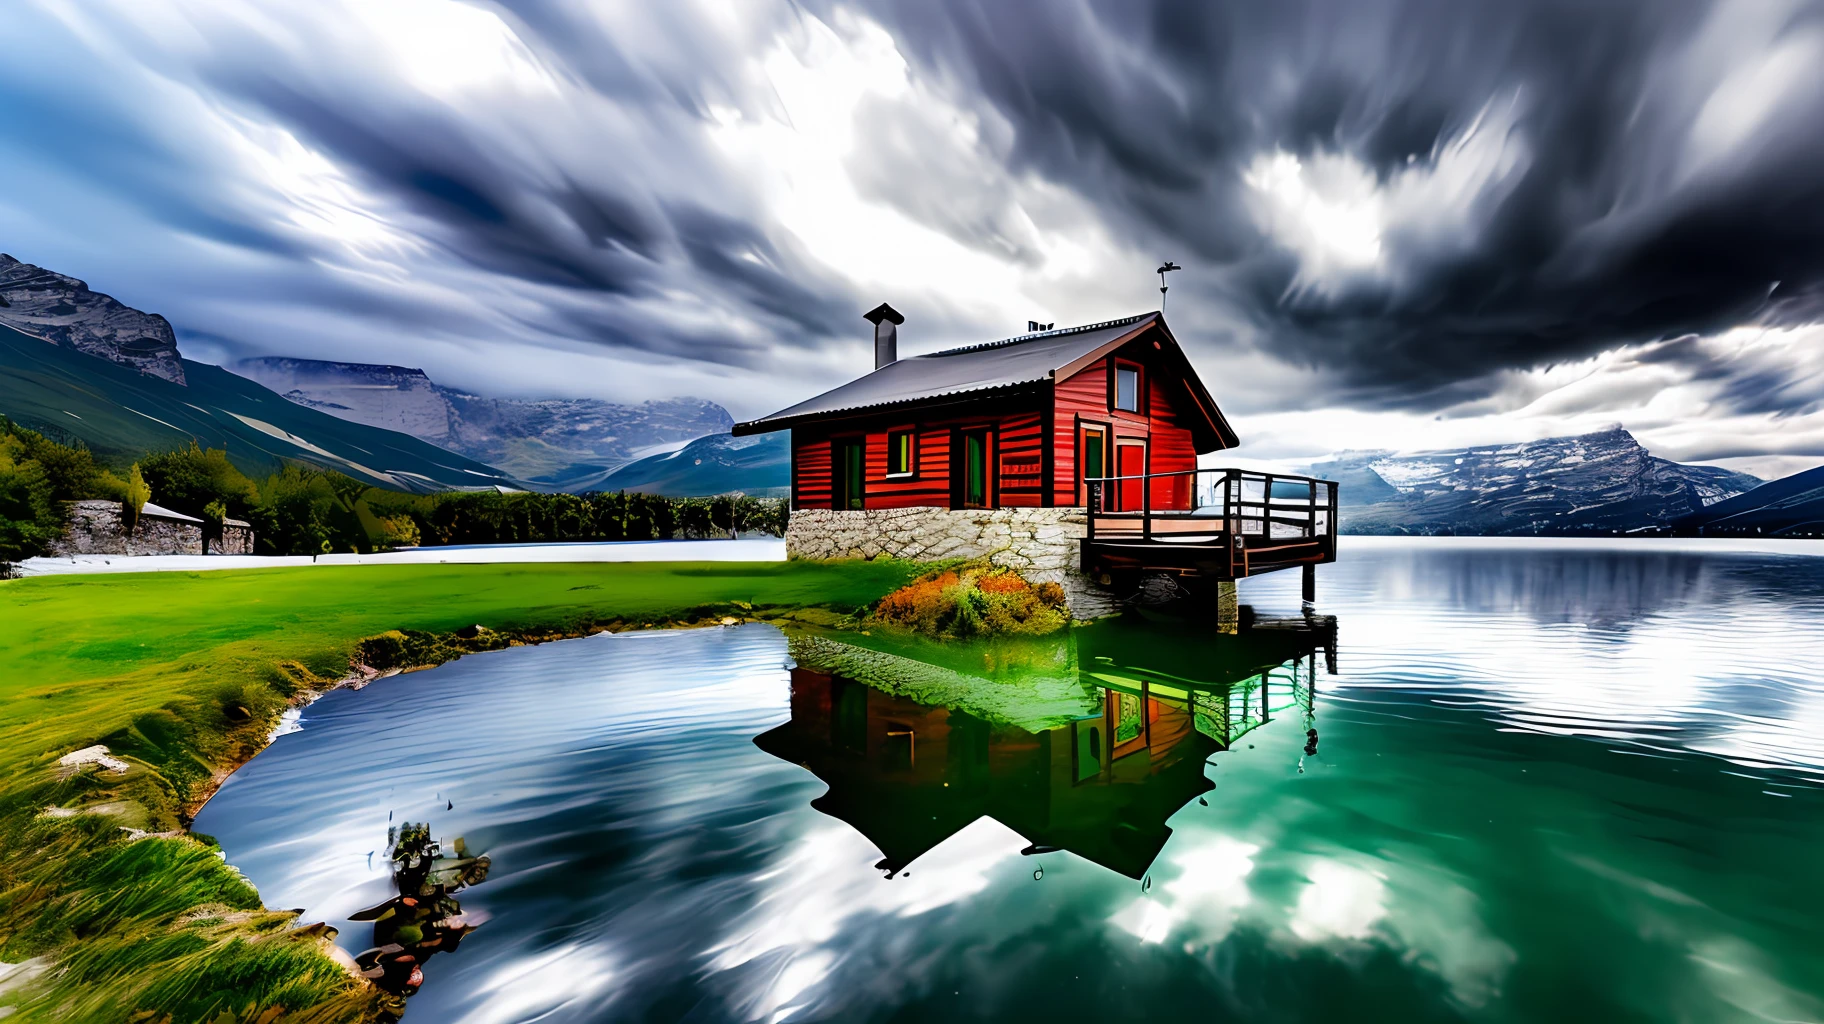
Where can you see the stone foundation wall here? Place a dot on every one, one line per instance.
(1038, 543)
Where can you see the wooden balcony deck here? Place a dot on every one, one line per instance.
(1222, 524)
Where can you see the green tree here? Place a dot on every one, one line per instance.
(188, 480)
(30, 516)
(138, 493)
(300, 512)
(71, 471)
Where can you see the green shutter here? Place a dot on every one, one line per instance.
(852, 476)
(976, 474)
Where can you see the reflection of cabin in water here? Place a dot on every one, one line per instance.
(1109, 418)
(908, 775)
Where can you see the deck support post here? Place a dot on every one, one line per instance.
(1310, 587)
(1228, 612)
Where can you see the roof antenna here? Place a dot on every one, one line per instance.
(1165, 268)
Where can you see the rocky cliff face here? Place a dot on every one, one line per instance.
(63, 311)
(1600, 483)
(553, 441)
(393, 397)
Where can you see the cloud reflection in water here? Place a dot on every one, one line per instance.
(1438, 857)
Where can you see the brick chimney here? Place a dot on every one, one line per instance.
(886, 321)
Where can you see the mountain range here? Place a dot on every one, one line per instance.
(122, 412)
(80, 365)
(1601, 483)
(566, 444)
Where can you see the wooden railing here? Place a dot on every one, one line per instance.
(1213, 506)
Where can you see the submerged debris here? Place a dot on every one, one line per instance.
(424, 918)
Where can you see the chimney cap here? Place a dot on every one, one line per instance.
(883, 312)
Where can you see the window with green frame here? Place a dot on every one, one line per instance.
(902, 452)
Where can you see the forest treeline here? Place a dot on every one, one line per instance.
(305, 510)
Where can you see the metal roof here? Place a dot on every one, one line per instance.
(1010, 362)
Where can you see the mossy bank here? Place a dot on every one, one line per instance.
(182, 675)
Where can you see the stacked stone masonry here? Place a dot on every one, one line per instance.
(95, 529)
(1038, 543)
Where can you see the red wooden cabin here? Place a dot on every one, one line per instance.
(1010, 423)
(1109, 416)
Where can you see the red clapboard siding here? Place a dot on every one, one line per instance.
(1082, 395)
(811, 472)
(1021, 460)
(930, 483)
(1017, 456)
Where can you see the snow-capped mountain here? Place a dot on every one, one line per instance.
(1600, 483)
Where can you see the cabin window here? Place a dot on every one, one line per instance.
(849, 464)
(902, 449)
(1127, 388)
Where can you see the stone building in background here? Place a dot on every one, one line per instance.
(96, 528)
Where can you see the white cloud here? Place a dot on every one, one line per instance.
(1348, 225)
(1751, 399)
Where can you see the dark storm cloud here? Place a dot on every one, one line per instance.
(602, 238)
(1664, 179)
(1156, 109)
(572, 212)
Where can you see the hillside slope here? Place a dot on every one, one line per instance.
(121, 413)
(1592, 484)
(718, 464)
(1791, 506)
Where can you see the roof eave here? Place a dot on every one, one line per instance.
(770, 424)
(1224, 432)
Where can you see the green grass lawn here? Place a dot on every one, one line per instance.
(182, 674)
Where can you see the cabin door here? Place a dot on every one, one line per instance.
(971, 470)
(1131, 462)
(1095, 464)
(849, 464)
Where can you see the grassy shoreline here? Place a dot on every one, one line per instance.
(183, 675)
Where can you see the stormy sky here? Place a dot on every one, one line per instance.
(1402, 224)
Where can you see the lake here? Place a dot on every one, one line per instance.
(1510, 782)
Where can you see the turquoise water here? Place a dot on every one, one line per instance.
(1547, 782)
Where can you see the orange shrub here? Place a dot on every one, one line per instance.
(1002, 583)
(975, 601)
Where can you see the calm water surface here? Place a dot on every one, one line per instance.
(1547, 783)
